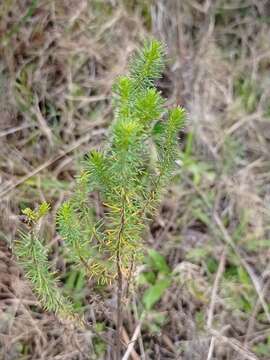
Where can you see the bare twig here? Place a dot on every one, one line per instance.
(13, 130)
(252, 318)
(227, 238)
(250, 271)
(236, 345)
(142, 352)
(133, 353)
(215, 288)
(213, 301)
(42, 122)
(211, 348)
(49, 162)
(134, 338)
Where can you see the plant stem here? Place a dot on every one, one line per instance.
(119, 285)
(119, 308)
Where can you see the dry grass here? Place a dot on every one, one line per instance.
(58, 60)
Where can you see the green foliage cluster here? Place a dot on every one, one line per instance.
(34, 257)
(129, 175)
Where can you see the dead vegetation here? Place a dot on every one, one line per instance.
(58, 60)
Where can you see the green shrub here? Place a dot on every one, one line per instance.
(129, 174)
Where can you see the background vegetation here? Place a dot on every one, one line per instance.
(204, 285)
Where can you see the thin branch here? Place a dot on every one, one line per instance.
(250, 271)
(49, 162)
(213, 301)
(234, 344)
(134, 338)
(215, 288)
